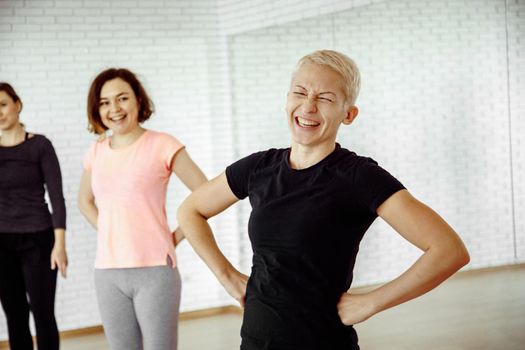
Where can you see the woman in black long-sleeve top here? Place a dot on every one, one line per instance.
(32, 244)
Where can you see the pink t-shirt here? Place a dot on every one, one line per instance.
(130, 187)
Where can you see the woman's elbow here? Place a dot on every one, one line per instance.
(84, 203)
(464, 258)
(183, 212)
(458, 255)
(188, 212)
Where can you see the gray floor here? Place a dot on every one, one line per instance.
(478, 310)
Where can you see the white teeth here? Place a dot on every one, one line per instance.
(116, 119)
(305, 122)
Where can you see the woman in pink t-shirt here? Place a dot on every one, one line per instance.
(123, 196)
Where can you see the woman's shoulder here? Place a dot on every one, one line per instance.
(349, 161)
(37, 137)
(352, 156)
(100, 141)
(160, 137)
(365, 170)
(100, 144)
(38, 140)
(258, 160)
(269, 156)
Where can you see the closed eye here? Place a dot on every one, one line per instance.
(299, 93)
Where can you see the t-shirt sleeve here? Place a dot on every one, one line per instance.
(374, 185)
(89, 157)
(239, 173)
(170, 146)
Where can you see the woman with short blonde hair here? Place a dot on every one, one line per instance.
(311, 205)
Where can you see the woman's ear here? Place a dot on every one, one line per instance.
(351, 114)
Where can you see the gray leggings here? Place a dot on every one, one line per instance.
(139, 307)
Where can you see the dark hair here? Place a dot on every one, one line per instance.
(11, 92)
(145, 104)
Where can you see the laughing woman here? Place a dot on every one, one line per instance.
(311, 205)
(123, 196)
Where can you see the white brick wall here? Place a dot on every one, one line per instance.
(434, 99)
(435, 102)
(238, 16)
(516, 42)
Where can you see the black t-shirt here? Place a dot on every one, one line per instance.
(305, 228)
(24, 169)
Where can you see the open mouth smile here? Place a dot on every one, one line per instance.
(117, 118)
(306, 123)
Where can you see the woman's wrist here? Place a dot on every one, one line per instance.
(60, 237)
(226, 273)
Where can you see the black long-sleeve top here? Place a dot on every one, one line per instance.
(24, 170)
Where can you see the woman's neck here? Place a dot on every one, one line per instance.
(302, 157)
(13, 136)
(123, 140)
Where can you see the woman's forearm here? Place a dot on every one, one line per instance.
(444, 251)
(90, 212)
(430, 270)
(199, 234)
(443, 254)
(207, 201)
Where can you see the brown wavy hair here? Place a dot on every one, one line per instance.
(146, 107)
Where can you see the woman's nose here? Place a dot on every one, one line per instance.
(114, 106)
(310, 105)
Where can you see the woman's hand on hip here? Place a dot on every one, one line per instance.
(355, 308)
(235, 284)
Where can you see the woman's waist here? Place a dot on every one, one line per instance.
(135, 256)
(128, 239)
(292, 322)
(25, 223)
(293, 283)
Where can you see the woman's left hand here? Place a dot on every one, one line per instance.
(59, 259)
(354, 308)
(235, 284)
(177, 236)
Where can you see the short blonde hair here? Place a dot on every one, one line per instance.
(341, 64)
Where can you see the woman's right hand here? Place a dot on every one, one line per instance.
(210, 199)
(355, 308)
(235, 284)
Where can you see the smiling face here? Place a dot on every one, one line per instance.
(118, 107)
(9, 111)
(316, 106)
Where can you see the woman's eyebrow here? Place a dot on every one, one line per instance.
(118, 95)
